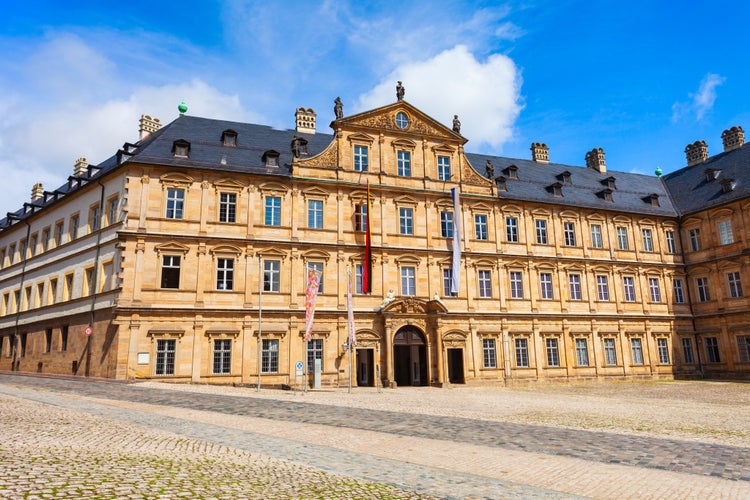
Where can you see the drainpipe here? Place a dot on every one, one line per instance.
(25, 250)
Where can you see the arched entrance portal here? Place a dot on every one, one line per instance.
(409, 357)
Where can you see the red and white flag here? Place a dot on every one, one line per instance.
(311, 296)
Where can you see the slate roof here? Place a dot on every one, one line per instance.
(688, 189)
(631, 193)
(692, 192)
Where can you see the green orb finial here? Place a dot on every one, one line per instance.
(182, 107)
(658, 171)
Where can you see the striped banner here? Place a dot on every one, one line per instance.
(350, 309)
(456, 271)
(311, 296)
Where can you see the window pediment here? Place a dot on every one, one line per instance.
(407, 259)
(227, 183)
(568, 214)
(360, 138)
(272, 188)
(172, 247)
(226, 250)
(316, 255)
(272, 253)
(176, 179)
(405, 200)
(404, 144)
(316, 192)
(444, 149)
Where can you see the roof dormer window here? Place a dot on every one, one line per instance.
(565, 178)
(555, 189)
(299, 146)
(511, 172)
(271, 158)
(609, 182)
(652, 199)
(711, 174)
(728, 185)
(501, 184)
(229, 138)
(181, 148)
(605, 194)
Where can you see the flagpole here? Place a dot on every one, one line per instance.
(349, 340)
(260, 316)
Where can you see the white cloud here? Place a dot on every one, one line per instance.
(702, 102)
(485, 95)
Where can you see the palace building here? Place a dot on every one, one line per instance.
(185, 257)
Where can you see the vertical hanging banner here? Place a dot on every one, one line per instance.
(456, 270)
(367, 267)
(311, 296)
(350, 309)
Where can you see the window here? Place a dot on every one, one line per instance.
(582, 352)
(735, 285)
(541, 231)
(490, 353)
(679, 295)
(112, 211)
(360, 158)
(175, 203)
(687, 351)
(511, 229)
(271, 158)
(602, 288)
(68, 290)
(315, 266)
(596, 236)
(360, 218)
(23, 249)
(671, 242)
(569, 229)
(628, 283)
(5, 308)
(74, 223)
(406, 220)
(516, 285)
(108, 269)
(222, 356)
(712, 350)
(2, 258)
(663, 348)
(59, 230)
(702, 284)
(170, 271)
(33, 244)
(45, 243)
(545, 281)
(273, 211)
(165, 350)
(52, 291)
(314, 351)
(64, 338)
(95, 218)
(181, 148)
(27, 298)
(553, 352)
(447, 280)
(224, 274)
(229, 138)
(23, 344)
(743, 346)
(11, 254)
(622, 238)
(485, 285)
(522, 353)
(648, 240)
(88, 282)
(270, 356)
(695, 239)
(446, 224)
(444, 168)
(725, 232)
(408, 281)
(610, 352)
(271, 275)
(575, 286)
(359, 271)
(403, 158)
(48, 340)
(653, 286)
(637, 350)
(315, 214)
(480, 226)
(228, 207)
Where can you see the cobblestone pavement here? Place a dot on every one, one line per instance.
(422, 453)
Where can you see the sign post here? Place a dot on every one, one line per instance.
(297, 373)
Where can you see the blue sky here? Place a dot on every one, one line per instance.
(641, 79)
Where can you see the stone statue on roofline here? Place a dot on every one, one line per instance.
(490, 169)
(400, 91)
(338, 108)
(456, 124)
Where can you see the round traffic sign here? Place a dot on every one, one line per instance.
(299, 365)
(87, 331)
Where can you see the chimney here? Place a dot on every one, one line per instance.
(37, 192)
(733, 138)
(305, 120)
(148, 125)
(539, 152)
(81, 167)
(696, 153)
(595, 159)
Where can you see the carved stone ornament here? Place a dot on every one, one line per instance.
(328, 158)
(469, 175)
(454, 339)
